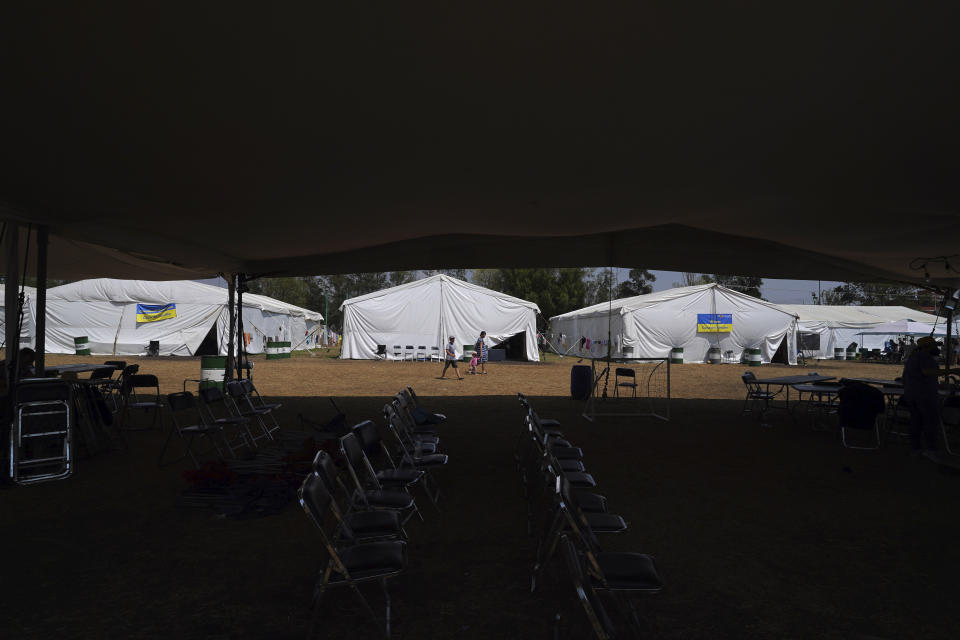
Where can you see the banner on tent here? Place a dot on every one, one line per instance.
(156, 312)
(714, 322)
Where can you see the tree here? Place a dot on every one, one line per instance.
(555, 291)
(296, 291)
(639, 282)
(749, 285)
(599, 286)
(689, 279)
(489, 278)
(876, 294)
(402, 277)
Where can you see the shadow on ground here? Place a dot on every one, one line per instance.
(758, 532)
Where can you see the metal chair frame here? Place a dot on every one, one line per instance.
(756, 394)
(186, 402)
(129, 390)
(210, 396)
(352, 449)
(46, 399)
(241, 406)
(335, 566)
(624, 372)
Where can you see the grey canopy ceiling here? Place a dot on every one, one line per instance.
(818, 141)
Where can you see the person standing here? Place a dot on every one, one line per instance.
(450, 360)
(481, 350)
(921, 394)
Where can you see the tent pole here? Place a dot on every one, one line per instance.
(40, 344)
(232, 333)
(11, 300)
(240, 337)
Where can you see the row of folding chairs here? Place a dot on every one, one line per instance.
(566, 516)
(409, 352)
(361, 512)
(229, 419)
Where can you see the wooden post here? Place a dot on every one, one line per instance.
(40, 344)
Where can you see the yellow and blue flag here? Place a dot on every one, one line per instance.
(714, 322)
(155, 312)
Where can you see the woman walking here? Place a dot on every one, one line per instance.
(481, 350)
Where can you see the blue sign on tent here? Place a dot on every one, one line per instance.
(155, 312)
(714, 322)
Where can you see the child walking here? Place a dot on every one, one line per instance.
(473, 364)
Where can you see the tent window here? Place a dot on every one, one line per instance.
(809, 341)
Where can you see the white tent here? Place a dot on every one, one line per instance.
(649, 326)
(428, 311)
(28, 326)
(825, 327)
(106, 312)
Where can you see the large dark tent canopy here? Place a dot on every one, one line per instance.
(816, 140)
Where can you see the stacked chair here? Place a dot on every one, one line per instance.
(565, 517)
(362, 511)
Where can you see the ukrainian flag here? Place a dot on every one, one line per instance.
(714, 322)
(155, 312)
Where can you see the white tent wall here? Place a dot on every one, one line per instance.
(650, 326)
(28, 326)
(428, 311)
(841, 325)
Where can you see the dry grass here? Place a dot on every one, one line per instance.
(760, 533)
(324, 375)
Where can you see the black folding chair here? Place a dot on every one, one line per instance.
(862, 407)
(618, 573)
(350, 563)
(630, 382)
(240, 405)
(381, 353)
(134, 399)
(371, 494)
(359, 526)
(422, 443)
(218, 412)
(757, 396)
(190, 426)
(369, 438)
(423, 462)
(592, 605)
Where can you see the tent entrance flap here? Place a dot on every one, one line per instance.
(514, 347)
(209, 346)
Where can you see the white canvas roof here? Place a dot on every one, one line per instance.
(426, 312)
(854, 315)
(104, 310)
(908, 328)
(651, 325)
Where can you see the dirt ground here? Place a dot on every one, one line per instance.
(759, 532)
